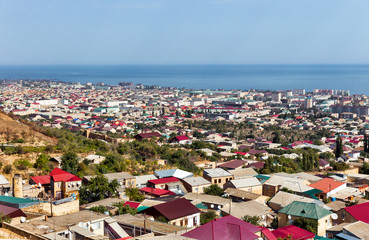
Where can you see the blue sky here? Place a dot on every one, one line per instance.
(184, 32)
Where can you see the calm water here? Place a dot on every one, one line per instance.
(274, 77)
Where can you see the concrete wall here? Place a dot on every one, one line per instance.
(22, 232)
(57, 210)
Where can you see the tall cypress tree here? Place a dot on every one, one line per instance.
(339, 146)
(366, 143)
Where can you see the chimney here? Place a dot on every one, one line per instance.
(17, 186)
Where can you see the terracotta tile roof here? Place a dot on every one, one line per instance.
(326, 185)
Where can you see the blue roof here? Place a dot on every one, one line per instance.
(346, 237)
(178, 173)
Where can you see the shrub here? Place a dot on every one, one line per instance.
(7, 169)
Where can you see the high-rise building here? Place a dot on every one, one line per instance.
(276, 97)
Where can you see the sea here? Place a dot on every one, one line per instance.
(228, 77)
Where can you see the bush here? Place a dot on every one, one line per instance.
(99, 209)
(7, 169)
(23, 164)
(255, 220)
(207, 217)
(214, 190)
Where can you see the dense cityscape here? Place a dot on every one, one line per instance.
(134, 161)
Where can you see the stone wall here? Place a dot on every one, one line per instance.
(54, 210)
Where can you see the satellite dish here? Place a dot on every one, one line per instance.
(334, 216)
(212, 205)
(219, 206)
(263, 217)
(289, 217)
(23, 219)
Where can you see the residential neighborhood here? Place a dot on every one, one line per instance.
(94, 161)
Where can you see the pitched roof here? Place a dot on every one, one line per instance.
(132, 204)
(44, 179)
(359, 212)
(233, 164)
(178, 173)
(181, 138)
(157, 191)
(225, 228)
(175, 209)
(216, 172)
(149, 135)
(326, 184)
(294, 232)
(306, 210)
(11, 211)
(245, 182)
(59, 175)
(164, 180)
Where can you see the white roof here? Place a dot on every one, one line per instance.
(3, 180)
(247, 182)
(143, 179)
(217, 172)
(196, 181)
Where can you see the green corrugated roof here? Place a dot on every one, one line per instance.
(262, 178)
(140, 208)
(201, 206)
(15, 200)
(307, 210)
(312, 193)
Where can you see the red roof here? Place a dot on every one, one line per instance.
(241, 153)
(44, 179)
(359, 212)
(293, 232)
(132, 204)
(163, 180)
(227, 227)
(326, 185)
(182, 138)
(232, 164)
(175, 209)
(157, 191)
(59, 175)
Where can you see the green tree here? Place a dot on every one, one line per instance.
(4, 218)
(207, 217)
(70, 162)
(125, 209)
(99, 209)
(255, 220)
(98, 188)
(134, 194)
(277, 137)
(366, 143)
(41, 162)
(307, 224)
(339, 147)
(214, 190)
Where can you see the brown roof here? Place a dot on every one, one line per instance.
(174, 209)
(148, 135)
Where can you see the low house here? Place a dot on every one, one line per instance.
(181, 140)
(243, 196)
(162, 182)
(177, 173)
(4, 185)
(217, 176)
(250, 208)
(95, 159)
(64, 184)
(356, 230)
(272, 185)
(243, 173)
(354, 213)
(227, 227)
(141, 181)
(328, 186)
(14, 213)
(156, 192)
(145, 136)
(178, 212)
(309, 211)
(294, 233)
(196, 184)
(323, 164)
(125, 179)
(233, 165)
(251, 184)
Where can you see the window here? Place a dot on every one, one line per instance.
(215, 181)
(220, 180)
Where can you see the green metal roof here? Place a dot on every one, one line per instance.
(140, 208)
(262, 178)
(306, 210)
(201, 206)
(312, 193)
(16, 200)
